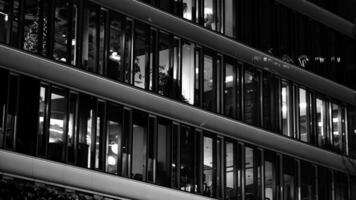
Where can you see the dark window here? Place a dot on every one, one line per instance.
(141, 57)
(57, 124)
(86, 130)
(324, 184)
(5, 21)
(127, 52)
(341, 186)
(12, 110)
(308, 181)
(231, 90)
(139, 132)
(252, 173)
(126, 145)
(251, 96)
(165, 70)
(209, 84)
(61, 30)
(3, 98)
(115, 67)
(290, 179)
(271, 175)
(229, 18)
(114, 138)
(353, 187)
(74, 34)
(163, 153)
(27, 115)
(270, 102)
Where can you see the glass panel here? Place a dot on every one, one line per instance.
(188, 9)
(289, 179)
(57, 125)
(164, 69)
(163, 153)
(252, 174)
(3, 98)
(209, 14)
(230, 174)
(229, 27)
(11, 116)
(61, 30)
(90, 35)
(102, 43)
(139, 145)
(140, 58)
(341, 186)
(271, 176)
(73, 101)
(4, 21)
(31, 25)
(113, 134)
(74, 33)
(187, 160)
(41, 141)
(303, 116)
(271, 102)
(321, 121)
(286, 126)
(127, 52)
(308, 181)
(188, 72)
(324, 184)
(15, 24)
(353, 187)
(230, 90)
(175, 159)
(116, 47)
(251, 93)
(99, 137)
(86, 131)
(127, 127)
(209, 95)
(208, 167)
(337, 123)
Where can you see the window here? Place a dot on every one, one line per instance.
(114, 138)
(209, 84)
(341, 186)
(141, 57)
(188, 72)
(338, 127)
(12, 110)
(321, 122)
(271, 175)
(72, 124)
(139, 132)
(308, 181)
(209, 167)
(290, 178)
(229, 18)
(3, 101)
(211, 14)
(271, 102)
(115, 67)
(251, 96)
(231, 90)
(324, 183)
(230, 170)
(57, 124)
(286, 109)
(62, 35)
(165, 70)
(42, 107)
(189, 9)
(303, 113)
(5, 21)
(252, 173)
(163, 153)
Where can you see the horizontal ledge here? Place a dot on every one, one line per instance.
(128, 95)
(72, 176)
(229, 47)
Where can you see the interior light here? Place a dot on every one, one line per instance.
(302, 105)
(229, 79)
(111, 160)
(115, 56)
(208, 11)
(114, 148)
(320, 124)
(73, 42)
(336, 132)
(335, 120)
(6, 17)
(196, 70)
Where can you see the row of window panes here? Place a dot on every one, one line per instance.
(82, 130)
(276, 30)
(179, 69)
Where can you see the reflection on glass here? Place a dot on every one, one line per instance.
(271, 176)
(337, 126)
(209, 15)
(74, 34)
(113, 134)
(208, 168)
(164, 70)
(321, 121)
(90, 35)
(31, 25)
(188, 6)
(230, 179)
(303, 116)
(163, 153)
(61, 31)
(286, 126)
(140, 58)
(208, 84)
(73, 98)
(251, 91)
(116, 47)
(102, 43)
(4, 21)
(251, 174)
(41, 114)
(229, 18)
(138, 146)
(188, 72)
(127, 52)
(56, 125)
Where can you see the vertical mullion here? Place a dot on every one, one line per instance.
(47, 120)
(261, 92)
